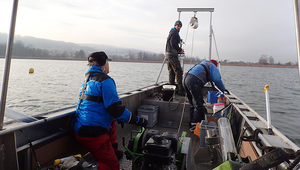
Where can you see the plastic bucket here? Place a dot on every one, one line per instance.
(212, 96)
(168, 91)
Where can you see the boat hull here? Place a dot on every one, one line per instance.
(51, 137)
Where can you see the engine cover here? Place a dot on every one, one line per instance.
(158, 150)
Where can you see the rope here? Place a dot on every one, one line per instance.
(215, 44)
(175, 107)
(219, 66)
(185, 97)
(32, 150)
(182, 113)
(187, 31)
(170, 102)
(192, 43)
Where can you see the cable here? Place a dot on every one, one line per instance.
(215, 44)
(193, 43)
(187, 31)
(183, 80)
(182, 113)
(219, 67)
(32, 150)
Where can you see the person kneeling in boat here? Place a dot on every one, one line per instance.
(194, 80)
(98, 108)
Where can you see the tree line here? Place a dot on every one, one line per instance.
(20, 49)
(269, 60)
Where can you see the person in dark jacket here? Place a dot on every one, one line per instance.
(194, 80)
(97, 110)
(172, 50)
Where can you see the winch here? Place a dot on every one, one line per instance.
(150, 149)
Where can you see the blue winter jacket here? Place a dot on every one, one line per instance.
(199, 71)
(94, 118)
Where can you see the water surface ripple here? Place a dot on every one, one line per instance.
(55, 84)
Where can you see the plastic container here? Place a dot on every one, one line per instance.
(221, 98)
(218, 106)
(168, 92)
(181, 58)
(203, 128)
(227, 142)
(212, 96)
(148, 112)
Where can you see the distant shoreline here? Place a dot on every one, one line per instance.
(259, 65)
(140, 61)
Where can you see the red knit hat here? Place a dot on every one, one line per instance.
(215, 62)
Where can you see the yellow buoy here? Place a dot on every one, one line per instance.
(31, 70)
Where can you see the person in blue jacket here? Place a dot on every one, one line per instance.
(97, 110)
(194, 80)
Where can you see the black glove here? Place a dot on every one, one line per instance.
(142, 122)
(227, 91)
(121, 123)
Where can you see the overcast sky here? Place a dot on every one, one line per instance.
(244, 29)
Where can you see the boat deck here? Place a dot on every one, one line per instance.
(169, 115)
(195, 143)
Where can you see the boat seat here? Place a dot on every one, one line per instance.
(250, 115)
(242, 107)
(269, 140)
(275, 141)
(234, 101)
(259, 124)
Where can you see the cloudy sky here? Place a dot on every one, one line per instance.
(244, 29)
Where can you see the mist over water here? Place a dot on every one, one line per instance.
(55, 85)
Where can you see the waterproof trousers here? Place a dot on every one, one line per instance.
(101, 148)
(175, 71)
(193, 87)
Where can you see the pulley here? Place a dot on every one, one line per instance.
(194, 22)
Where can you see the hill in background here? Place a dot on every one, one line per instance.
(38, 47)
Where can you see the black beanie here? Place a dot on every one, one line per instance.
(99, 57)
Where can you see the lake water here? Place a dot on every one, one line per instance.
(55, 84)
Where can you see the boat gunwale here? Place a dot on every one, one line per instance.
(274, 129)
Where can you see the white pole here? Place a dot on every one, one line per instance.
(210, 36)
(268, 108)
(297, 26)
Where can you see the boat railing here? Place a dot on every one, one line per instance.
(255, 121)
